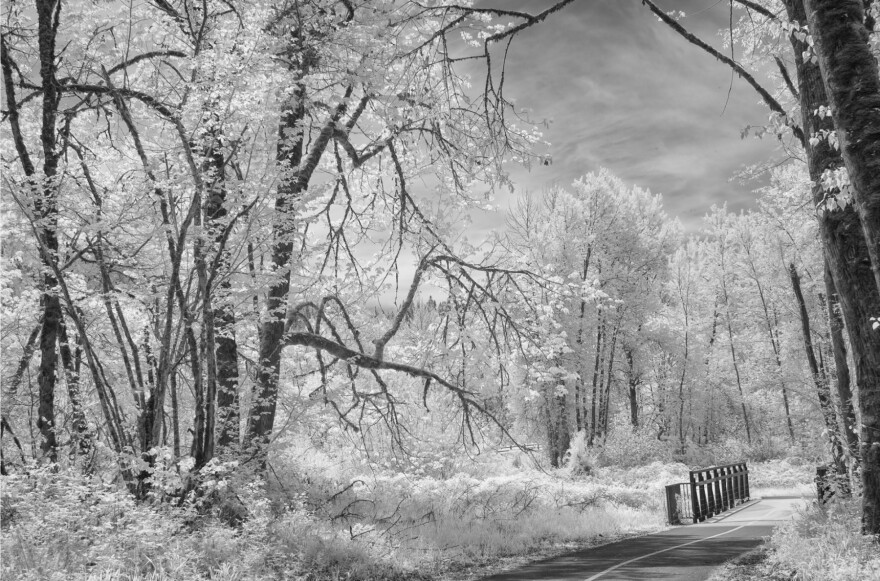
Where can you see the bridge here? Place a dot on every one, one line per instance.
(708, 492)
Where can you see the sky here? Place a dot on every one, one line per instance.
(620, 89)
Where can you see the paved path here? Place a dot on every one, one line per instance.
(685, 553)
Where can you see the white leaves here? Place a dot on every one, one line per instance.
(825, 135)
(836, 179)
(809, 56)
(822, 112)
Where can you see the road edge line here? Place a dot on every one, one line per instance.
(608, 570)
(720, 517)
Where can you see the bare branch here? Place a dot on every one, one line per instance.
(758, 8)
(145, 56)
(785, 76)
(772, 103)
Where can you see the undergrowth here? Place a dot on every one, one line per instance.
(825, 544)
(322, 516)
(313, 526)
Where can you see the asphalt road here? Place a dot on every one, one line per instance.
(684, 553)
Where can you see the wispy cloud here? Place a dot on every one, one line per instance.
(621, 90)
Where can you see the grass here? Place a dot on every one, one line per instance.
(330, 525)
(325, 520)
(823, 544)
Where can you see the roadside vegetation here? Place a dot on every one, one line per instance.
(823, 544)
(330, 514)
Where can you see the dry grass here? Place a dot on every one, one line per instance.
(825, 545)
(388, 526)
(822, 545)
(326, 521)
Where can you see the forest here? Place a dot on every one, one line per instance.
(249, 330)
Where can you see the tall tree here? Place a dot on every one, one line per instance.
(852, 84)
(844, 238)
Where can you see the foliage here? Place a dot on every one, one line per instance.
(825, 544)
(324, 525)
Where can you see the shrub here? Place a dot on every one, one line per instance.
(627, 446)
(826, 545)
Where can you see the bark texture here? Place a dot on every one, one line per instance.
(852, 82)
(848, 257)
(262, 415)
(841, 376)
(46, 207)
(822, 391)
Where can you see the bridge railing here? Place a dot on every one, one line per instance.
(709, 491)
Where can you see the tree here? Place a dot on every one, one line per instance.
(852, 84)
(610, 242)
(846, 242)
(218, 162)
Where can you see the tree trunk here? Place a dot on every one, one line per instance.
(775, 347)
(824, 394)
(46, 206)
(558, 438)
(289, 157)
(681, 379)
(733, 359)
(848, 257)
(175, 414)
(219, 348)
(710, 406)
(80, 436)
(774, 334)
(852, 84)
(579, 406)
(633, 381)
(563, 439)
(842, 379)
(24, 362)
(600, 327)
(606, 401)
(228, 414)
(742, 394)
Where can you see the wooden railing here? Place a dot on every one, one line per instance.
(708, 492)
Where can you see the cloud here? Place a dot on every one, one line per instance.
(622, 90)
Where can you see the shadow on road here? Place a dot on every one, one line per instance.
(683, 553)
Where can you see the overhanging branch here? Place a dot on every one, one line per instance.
(768, 99)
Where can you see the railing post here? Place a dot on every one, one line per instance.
(731, 500)
(703, 502)
(746, 479)
(719, 500)
(710, 494)
(725, 500)
(694, 505)
(736, 486)
(674, 496)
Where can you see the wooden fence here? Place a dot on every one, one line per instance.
(708, 492)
